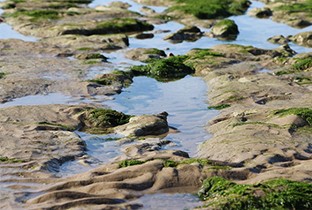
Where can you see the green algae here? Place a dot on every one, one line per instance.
(211, 9)
(304, 113)
(127, 163)
(198, 53)
(113, 26)
(106, 117)
(57, 125)
(220, 193)
(167, 69)
(2, 75)
(125, 78)
(302, 64)
(219, 107)
(10, 160)
(36, 15)
(298, 7)
(212, 165)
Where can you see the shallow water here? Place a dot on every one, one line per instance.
(6, 32)
(184, 100)
(51, 98)
(169, 201)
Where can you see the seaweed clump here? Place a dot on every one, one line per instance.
(103, 120)
(273, 194)
(168, 69)
(212, 9)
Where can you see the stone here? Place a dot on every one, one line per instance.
(145, 125)
(188, 33)
(261, 12)
(303, 39)
(225, 29)
(279, 39)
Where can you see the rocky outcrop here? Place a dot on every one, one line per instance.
(145, 54)
(303, 39)
(225, 29)
(279, 39)
(260, 12)
(190, 33)
(145, 125)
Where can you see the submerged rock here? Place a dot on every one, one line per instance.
(225, 29)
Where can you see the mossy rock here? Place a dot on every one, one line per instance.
(35, 15)
(225, 29)
(121, 77)
(102, 120)
(211, 9)
(127, 163)
(167, 69)
(90, 56)
(304, 113)
(220, 193)
(113, 26)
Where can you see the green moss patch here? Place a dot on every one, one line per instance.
(219, 107)
(202, 162)
(302, 64)
(274, 194)
(57, 125)
(167, 69)
(211, 9)
(203, 53)
(114, 26)
(304, 113)
(305, 6)
(125, 78)
(10, 160)
(127, 163)
(107, 117)
(2, 74)
(36, 15)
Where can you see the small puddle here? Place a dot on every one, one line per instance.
(169, 201)
(6, 32)
(184, 100)
(51, 98)
(100, 149)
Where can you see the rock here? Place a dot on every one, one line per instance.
(119, 4)
(88, 56)
(225, 29)
(144, 36)
(145, 125)
(144, 54)
(289, 120)
(279, 39)
(260, 12)
(148, 11)
(189, 33)
(113, 26)
(285, 50)
(303, 39)
(99, 120)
